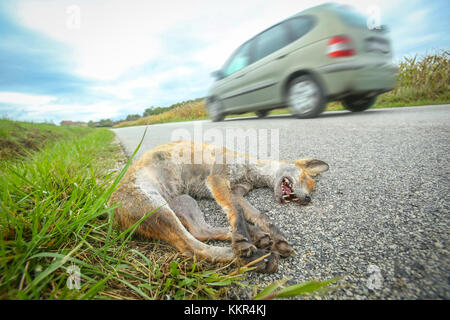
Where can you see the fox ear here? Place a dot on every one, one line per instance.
(312, 166)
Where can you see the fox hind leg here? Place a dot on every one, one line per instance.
(190, 215)
(162, 224)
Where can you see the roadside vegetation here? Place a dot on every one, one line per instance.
(421, 81)
(18, 139)
(56, 223)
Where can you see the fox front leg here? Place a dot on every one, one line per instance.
(241, 243)
(280, 244)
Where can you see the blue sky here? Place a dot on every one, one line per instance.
(95, 59)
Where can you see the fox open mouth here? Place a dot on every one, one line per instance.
(287, 192)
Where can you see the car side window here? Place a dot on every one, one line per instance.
(238, 61)
(271, 40)
(300, 26)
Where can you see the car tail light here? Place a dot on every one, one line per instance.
(340, 46)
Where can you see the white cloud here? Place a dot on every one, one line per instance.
(23, 98)
(43, 107)
(417, 17)
(126, 89)
(58, 112)
(112, 36)
(417, 41)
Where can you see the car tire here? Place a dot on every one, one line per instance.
(358, 103)
(305, 97)
(215, 110)
(262, 113)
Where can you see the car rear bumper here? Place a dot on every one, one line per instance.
(349, 77)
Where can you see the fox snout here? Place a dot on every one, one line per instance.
(306, 199)
(289, 190)
(303, 199)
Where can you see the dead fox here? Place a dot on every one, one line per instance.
(160, 180)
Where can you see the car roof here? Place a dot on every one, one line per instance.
(312, 10)
(315, 9)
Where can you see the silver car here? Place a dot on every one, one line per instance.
(325, 53)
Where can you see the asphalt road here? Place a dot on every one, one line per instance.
(379, 217)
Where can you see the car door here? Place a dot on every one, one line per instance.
(263, 74)
(233, 73)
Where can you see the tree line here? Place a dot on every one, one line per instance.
(151, 111)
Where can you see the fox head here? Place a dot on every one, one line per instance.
(294, 182)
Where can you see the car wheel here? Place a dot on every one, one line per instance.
(305, 97)
(358, 103)
(262, 113)
(215, 111)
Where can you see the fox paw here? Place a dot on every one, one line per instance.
(282, 247)
(262, 240)
(241, 246)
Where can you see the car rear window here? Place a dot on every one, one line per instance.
(350, 16)
(271, 40)
(300, 26)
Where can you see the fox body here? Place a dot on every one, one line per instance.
(170, 177)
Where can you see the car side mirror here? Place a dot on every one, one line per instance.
(218, 74)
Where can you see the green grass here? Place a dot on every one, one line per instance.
(18, 139)
(54, 216)
(47, 204)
